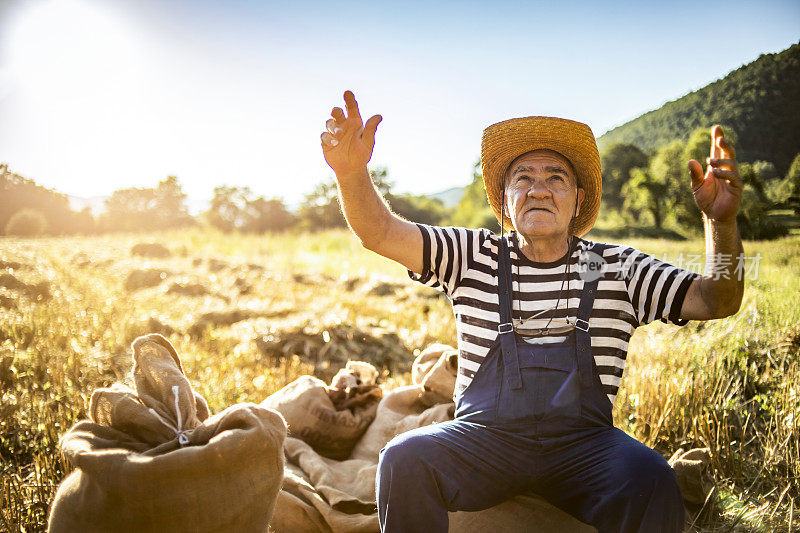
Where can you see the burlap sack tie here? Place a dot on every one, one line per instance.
(183, 440)
(163, 397)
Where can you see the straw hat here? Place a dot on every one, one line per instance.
(505, 141)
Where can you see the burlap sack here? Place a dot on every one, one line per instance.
(526, 512)
(347, 486)
(312, 416)
(152, 460)
(294, 510)
(436, 369)
(691, 470)
(426, 359)
(401, 409)
(302, 509)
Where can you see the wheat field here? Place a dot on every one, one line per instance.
(249, 314)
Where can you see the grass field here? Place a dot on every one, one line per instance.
(249, 314)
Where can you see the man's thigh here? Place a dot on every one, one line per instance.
(470, 464)
(595, 472)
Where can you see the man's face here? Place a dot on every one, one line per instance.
(541, 191)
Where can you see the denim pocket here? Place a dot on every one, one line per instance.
(550, 384)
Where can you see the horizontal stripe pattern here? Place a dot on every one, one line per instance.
(634, 289)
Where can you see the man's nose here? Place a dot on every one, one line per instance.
(538, 189)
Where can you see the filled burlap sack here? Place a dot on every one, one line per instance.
(691, 469)
(313, 417)
(355, 386)
(436, 369)
(151, 459)
(424, 362)
(526, 512)
(428, 401)
(355, 373)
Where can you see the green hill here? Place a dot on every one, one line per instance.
(760, 101)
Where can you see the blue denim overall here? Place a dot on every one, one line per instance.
(533, 418)
(537, 389)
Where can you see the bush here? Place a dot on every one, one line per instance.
(753, 218)
(27, 223)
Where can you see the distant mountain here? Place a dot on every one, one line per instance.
(449, 197)
(760, 101)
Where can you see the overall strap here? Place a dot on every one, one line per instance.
(583, 339)
(508, 342)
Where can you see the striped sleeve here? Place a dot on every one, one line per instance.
(656, 289)
(446, 253)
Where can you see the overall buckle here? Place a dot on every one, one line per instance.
(508, 327)
(582, 327)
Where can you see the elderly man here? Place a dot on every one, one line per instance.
(544, 318)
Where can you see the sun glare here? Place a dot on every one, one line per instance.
(76, 71)
(67, 43)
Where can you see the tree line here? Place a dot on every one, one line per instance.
(640, 189)
(28, 209)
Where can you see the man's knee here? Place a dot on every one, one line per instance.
(651, 478)
(404, 451)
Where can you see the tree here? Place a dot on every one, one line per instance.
(227, 210)
(778, 191)
(474, 211)
(794, 173)
(146, 209)
(793, 177)
(171, 204)
(262, 215)
(617, 161)
(129, 210)
(674, 159)
(27, 223)
(18, 193)
(421, 208)
(766, 171)
(753, 220)
(320, 209)
(644, 194)
(235, 209)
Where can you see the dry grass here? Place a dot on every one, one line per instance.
(273, 303)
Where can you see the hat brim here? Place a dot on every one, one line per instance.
(505, 141)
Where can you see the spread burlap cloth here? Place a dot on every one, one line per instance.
(320, 494)
(152, 459)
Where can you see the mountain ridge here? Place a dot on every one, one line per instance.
(760, 101)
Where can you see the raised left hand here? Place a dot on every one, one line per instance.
(719, 192)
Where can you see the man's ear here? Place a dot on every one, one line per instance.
(581, 197)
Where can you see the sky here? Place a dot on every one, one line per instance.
(99, 95)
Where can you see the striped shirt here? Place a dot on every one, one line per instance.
(634, 289)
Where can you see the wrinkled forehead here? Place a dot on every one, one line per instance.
(542, 154)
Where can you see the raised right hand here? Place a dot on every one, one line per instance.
(348, 143)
